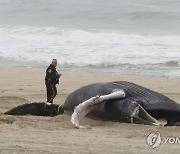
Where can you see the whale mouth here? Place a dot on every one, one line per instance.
(140, 115)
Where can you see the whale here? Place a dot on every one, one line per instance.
(120, 101)
(135, 104)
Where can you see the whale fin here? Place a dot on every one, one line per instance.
(85, 107)
(141, 115)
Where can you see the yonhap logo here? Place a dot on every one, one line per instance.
(154, 140)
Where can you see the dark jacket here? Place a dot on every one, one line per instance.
(51, 75)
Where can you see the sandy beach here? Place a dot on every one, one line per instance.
(56, 135)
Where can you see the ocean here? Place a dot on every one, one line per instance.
(136, 37)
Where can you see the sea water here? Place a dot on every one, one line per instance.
(116, 36)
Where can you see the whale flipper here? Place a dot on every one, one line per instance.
(85, 107)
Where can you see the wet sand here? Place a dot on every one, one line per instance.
(32, 135)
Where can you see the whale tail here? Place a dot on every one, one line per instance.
(37, 109)
(24, 109)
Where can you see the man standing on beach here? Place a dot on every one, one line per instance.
(51, 79)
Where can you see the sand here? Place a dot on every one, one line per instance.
(41, 135)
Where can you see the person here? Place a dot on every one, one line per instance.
(51, 79)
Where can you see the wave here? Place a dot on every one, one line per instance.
(172, 63)
(90, 50)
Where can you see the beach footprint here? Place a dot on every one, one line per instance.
(7, 120)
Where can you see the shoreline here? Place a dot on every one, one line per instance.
(72, 80)
(86, 72)
(89, 71)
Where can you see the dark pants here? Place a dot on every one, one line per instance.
(51, 92)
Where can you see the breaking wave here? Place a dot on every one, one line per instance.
(154, 55)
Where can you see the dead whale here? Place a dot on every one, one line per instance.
(117, 101)
(134, 104)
